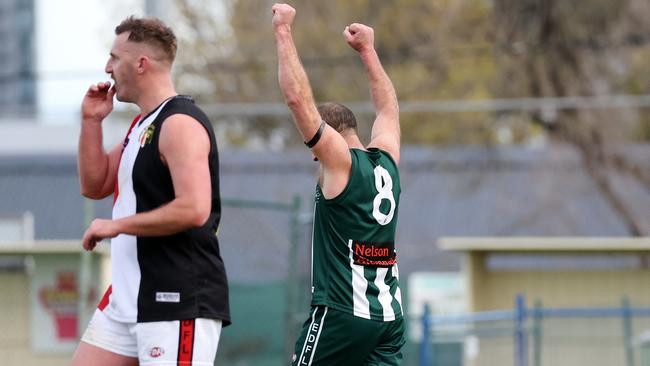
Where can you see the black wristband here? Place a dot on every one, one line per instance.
(314, 140)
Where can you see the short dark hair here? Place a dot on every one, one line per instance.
(151, 31)
(338, 116)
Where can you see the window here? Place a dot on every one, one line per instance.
(16, 229)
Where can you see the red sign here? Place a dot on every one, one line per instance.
(61, 301)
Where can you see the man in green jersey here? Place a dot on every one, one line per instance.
(356, 314)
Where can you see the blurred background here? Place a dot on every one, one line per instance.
(525, 212)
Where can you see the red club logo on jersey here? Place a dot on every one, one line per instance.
(156, 352)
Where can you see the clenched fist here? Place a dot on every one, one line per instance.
(359, 36)
(283, 15)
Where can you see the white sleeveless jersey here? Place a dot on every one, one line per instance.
(173, 277)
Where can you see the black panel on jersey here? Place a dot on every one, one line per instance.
(188, 263)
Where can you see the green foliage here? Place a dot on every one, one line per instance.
(432, 50)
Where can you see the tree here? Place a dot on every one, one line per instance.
(557, 48)
(426, 47)
(440, 50)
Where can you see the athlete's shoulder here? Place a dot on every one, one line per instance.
(376, 154)
(184, 104)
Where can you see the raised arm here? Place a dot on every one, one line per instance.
(292, 77)
(97, 168)
(331, 149)
(385, 129)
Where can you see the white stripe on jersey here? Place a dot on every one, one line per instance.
(398, 293)
(125, 270)
(384, 297)
(359, 287)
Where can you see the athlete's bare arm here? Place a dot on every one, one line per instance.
(385, 130)
(97, 168)
(184, 146)
(331, 150)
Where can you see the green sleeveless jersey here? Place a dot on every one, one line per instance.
(354, 263)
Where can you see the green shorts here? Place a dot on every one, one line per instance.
(330, 337)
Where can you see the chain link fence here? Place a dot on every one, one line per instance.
(262, 247)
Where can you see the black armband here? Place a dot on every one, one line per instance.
(314, 140)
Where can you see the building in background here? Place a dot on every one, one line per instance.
(17, 61)
(52, 50)
(446, 192)
(577, 301)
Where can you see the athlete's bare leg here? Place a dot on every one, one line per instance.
(87, 354)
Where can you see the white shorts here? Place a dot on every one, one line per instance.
(177, 342)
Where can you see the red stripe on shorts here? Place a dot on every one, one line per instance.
(103, 303)
(186, 342)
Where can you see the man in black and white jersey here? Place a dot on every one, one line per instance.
(169, 296)
(356, 315)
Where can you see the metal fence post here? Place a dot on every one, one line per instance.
(425, 354)
(521, 343)
(626, 314)
(537, 333)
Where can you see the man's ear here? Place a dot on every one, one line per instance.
(143, 64)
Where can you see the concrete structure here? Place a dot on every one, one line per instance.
(41, 284)
(560, 271)
(602, 276)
